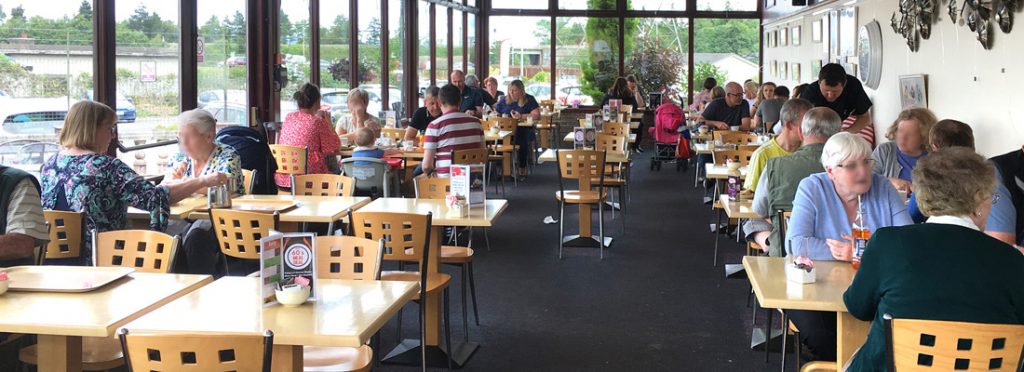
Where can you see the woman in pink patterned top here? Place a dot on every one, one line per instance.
(311, 128)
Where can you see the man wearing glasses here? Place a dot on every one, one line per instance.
(730, 112)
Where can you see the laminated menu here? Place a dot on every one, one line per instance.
(288, 258)
(584, 138)
(467, 182)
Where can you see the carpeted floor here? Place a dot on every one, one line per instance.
(655, 303)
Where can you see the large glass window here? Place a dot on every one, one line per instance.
(516, 53)
(222, 70)
(396, 35)
(45, 67)
(571, 54)
(580, 4)
(587, 57)
(657, 53)
(519, 4)
(423, 63)
(726, 49)
(656, 5)
(726, 5)
(457, 47)
(471, 46)
(295, 46)
(370, 31)
(335, 45)
(441, 46)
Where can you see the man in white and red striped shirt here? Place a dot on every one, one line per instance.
(454, 130)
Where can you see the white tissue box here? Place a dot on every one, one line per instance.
(459, 210)
(798, 275)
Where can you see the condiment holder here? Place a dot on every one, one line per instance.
(458, 207)
(800, 270)
(292, 295)
(732, 165)
(703, 129)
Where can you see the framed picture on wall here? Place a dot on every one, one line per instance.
(775, 68)
(784, 36)
(784, 72)
(913, 91)
(795, 31)
(848, 31)
(833, 34)
(796, 72)
(815, 69)
(825, 35)
(816, 31)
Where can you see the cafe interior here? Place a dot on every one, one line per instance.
(690, 185)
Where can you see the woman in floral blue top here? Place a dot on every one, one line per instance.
(82, 178)
(200, 155)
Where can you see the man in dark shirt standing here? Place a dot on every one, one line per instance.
(424, 115)
(472, 99)
(842, 93)
(729, 111)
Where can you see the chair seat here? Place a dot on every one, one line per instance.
(819, 366)
(435, 282)
(451, 254)
(503, 148)
(609, 181)
(580, 197)
(334, 359)
(98, 354)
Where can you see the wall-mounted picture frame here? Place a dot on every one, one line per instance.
(914, 91)
(848, 31)
(775, 68)
(796, 72)
(815, 69)
(784, 72)
(825, 39)
(795, 32)
(784, 36)
(833, 34)
(816, 31)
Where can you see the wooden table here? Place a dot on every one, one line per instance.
(570, 138)
(62, 319)
(733, 209)
(633, 125)
(479, 216)
(179, 210)
(767, 276)
(611, 157)
(347, 313)
(315, 209)
(721, 172)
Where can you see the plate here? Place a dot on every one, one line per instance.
(63, 278)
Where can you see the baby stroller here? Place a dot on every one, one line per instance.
(669, 143)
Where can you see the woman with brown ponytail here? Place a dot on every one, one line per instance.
(309, 127)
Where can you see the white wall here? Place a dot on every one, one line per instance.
(965, 82)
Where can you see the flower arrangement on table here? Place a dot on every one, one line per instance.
(576, 103)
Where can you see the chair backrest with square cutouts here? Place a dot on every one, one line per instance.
(581, 165)
(616, 129)
(406, 235)
(348, 257)
(395, 134)
(742, 156)
(432, 187)
(197, 351)
(67, 231)
(935, 345)
(239, 232)
(323, 185)
(505, 124)
(290, 159)
(610, 143)
(739, 138)
(143, 250)
(470, 156)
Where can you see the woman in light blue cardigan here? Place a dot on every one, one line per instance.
(824, 209)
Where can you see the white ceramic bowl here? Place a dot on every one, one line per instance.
(292, 298)
(3, 286)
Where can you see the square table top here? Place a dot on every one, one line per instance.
(569, 137)
(323, 209)
(714, 171)
(97, 313)
(743, 208)
(612, 157)
(347, 312)
(768, 277)
(179, 210)
(479, 216)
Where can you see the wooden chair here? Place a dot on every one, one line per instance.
(291, 160)
(478, 156)
(820, 367)
(737, 155)
(197, 351)
(143, 250)
(249, 180)
(67, 232)
(406, 238)
(461, 257)
(738, 138)
(584, 166)
(395, 134)
(616, 129)
(936, 345)
(615, 174)
(505, 151)
(351, 258)
(628, 109)
(239, 232)
(323, 185)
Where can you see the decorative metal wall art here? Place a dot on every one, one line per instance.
(915, 21)
(979, 15)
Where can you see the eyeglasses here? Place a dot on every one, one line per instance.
(735, 94)
(853, 166)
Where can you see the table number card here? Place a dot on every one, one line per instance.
(468, 182)
(283, 259)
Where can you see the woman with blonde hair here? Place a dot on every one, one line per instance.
(750, 90)
(519, 104)
(908, 142)
(358, 101)
(83, 178)
(766, 92)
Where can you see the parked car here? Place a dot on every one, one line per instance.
(33, 115)
(213, 96)
(567, 94)
(125, 107)
(229, 113)
(236, 61)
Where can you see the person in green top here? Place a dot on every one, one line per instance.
(782, 145)
(782, 175)
(945, 269)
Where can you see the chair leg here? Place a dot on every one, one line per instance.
(487, 241)
(799, 346)
(423, 329)
(767, 334)
(622, 207)
(472, 293)
(561, 227)
(785, 336)
(465, 311)
(718, 225)
(600, 226)
(400, 311)
(447, 327)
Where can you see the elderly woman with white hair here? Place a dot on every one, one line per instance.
(200, 155)
(824, 210)
(358, 101)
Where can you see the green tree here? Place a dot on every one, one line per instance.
(18, 13)
(704, 70)
(234, 32)
(337, 33)
(212, 31)
(568, 34)
(727, 36)
(373, 32)
(85, 9)
(602, 34)
(3, 15)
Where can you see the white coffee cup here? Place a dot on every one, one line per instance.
(734, 128)
(345, 141)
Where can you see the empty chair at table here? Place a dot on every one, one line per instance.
(945, 269)
(82, 178)
(238, 237)
(309, 128)
(197, 351)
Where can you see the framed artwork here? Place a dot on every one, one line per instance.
(816, 31)
(913, 91)
(848, 31)
(784, 72)
(825, 33)
(775, 68)
(796, 72)
(815, 69)
(795, 31)
(784, 36)
(833, 34)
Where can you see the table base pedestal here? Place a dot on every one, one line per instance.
(593, 241)
(408, 353)
(735, 271)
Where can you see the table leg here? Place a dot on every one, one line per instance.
(585, 220)
(506, 164)
(287, 358)
(851, 334)
(60, 353)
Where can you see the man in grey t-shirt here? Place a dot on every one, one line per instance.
(767, 114)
